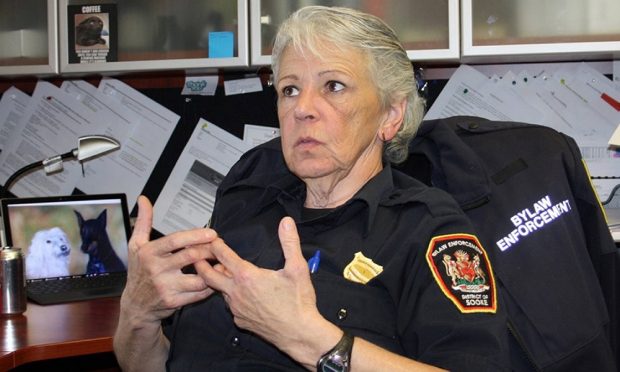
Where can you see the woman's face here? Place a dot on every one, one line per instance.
(329, 113)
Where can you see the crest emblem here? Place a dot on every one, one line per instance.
(466, 274)
(462, 269)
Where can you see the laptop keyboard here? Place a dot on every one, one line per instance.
(76, 284)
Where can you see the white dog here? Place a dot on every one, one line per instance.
(48, 254)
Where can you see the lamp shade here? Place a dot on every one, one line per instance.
(92, 146)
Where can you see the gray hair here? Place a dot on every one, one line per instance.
(310, 27)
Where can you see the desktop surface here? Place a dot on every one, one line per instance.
(58, 331)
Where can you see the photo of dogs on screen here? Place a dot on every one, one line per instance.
(70, 240)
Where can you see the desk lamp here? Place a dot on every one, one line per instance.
(89, 147)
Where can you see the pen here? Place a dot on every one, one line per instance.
(314, 261)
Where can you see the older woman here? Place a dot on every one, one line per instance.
(397, 281)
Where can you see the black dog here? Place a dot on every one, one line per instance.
(88, 32)
(96, 243)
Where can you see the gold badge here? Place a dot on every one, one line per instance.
(361, 269)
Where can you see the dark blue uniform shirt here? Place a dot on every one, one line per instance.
(406, 308)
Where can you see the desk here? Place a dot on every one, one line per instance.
(58, 331)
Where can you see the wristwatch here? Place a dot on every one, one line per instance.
(338, 359)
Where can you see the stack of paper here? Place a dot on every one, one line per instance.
(50, 122)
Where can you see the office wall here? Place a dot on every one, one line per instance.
(228, 112)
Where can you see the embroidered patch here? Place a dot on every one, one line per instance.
(462, 269)
(361, 269)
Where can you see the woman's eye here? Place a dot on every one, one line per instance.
(290, 91)
(334, 86)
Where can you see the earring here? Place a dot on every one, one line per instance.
(383, 136)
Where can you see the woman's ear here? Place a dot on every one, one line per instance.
(393, 120)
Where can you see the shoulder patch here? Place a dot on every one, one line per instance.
(462, 270)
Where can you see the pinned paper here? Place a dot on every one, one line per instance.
(254, 135)
(241, 86)
(200, 85)
(221, 44)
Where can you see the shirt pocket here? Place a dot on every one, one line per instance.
(365, 310)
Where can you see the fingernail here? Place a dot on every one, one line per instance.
(287, 224)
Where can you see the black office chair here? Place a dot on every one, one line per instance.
(529, 196)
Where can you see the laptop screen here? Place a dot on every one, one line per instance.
(73, 235)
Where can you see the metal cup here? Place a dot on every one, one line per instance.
(12, 281)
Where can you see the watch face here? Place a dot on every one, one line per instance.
(338, 358)
(335, 363)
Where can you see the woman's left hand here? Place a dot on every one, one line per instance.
(277, 305)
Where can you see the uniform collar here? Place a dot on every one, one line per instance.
(264, 168)
(455, 166)
(290, 192)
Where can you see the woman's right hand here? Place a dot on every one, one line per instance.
(156, 286)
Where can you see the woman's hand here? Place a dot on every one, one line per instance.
(155, 288)
(280, 305)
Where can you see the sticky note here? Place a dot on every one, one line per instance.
(221, 44)
(200, 85)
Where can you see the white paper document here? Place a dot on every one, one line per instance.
(50, 126)
(255, 135)
(506, 101)
(242, 86)
(116, 120)
(462, 96)
(188, 197)
(149, 126)
(80, 90)
(12, 108)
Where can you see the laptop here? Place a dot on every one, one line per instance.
(75, 247)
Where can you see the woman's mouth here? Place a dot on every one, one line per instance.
(306, 142)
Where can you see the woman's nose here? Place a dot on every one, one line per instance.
(305, 105)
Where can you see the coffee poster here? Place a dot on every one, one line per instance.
(92, 33)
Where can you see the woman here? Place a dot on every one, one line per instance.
(379, 297)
